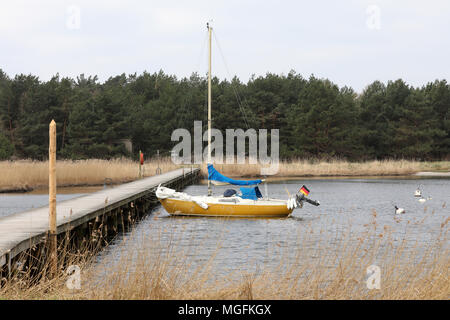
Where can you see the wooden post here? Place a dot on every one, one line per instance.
(52, 199)
(158, 170)
(140, 164)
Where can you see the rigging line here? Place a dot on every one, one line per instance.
(205, 100)
(190, 90)
(200, 59)
(236, 93)
(238, 98)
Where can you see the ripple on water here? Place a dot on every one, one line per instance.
(348, 209)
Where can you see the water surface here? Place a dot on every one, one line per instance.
(11, 203)
(348, 207)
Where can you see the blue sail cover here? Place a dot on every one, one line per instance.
(251, 193)
(215, 175)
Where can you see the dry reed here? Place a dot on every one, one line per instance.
(34, 174)
(26, 174)
(316, 168)
(335, 267)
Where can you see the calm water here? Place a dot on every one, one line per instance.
(347, 205)
(347, 208)
(11, 203)
(14, 203)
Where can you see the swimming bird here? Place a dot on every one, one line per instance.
(422, 200)
(417, 193)
(399, 210)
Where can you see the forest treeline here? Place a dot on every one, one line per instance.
(316, 117)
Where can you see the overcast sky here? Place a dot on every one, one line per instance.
(350, 42)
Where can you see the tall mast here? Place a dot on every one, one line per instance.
(209, 106)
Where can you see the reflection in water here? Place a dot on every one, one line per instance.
(11, 203)
(15, 203)
(350, 209)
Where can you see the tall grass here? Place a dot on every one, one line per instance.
(306, 168)
(333, 268)
(34, 174)
(25, 174)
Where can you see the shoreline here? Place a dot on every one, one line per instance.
(424, 174)
(38, 188)
(23, 176)
(433, 174)
(67, 188)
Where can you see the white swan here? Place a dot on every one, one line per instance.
(422, 200)
(399, 210)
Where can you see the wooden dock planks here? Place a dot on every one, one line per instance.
(20, 231)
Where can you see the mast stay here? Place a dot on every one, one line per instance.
(209, 105)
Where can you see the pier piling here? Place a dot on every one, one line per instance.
(87, 221)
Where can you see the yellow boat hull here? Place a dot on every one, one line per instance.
(190, 208)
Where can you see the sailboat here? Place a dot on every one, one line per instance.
(248, 202)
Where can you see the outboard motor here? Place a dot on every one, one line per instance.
(301, 197)
(297, 201)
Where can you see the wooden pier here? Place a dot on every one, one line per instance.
(111, 208)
